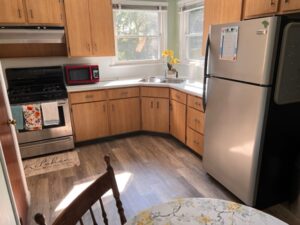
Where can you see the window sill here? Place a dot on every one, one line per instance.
(133, 63)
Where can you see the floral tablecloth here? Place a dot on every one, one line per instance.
(190, 211)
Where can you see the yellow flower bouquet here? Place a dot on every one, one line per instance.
(171, 60)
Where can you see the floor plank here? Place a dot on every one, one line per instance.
(158, 169)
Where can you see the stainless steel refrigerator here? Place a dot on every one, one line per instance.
(251, 120)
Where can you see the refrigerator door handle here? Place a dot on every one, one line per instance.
(206, 75)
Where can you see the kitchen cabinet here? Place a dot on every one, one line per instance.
(178, 120)
(220, 11)
(45, 12)
(195, 124)
(289, 5)
(125, 115)
(90, 29)
(90, 120)
(195, 141)
(12, 12)
(40, 12)
(254, 8)
(155, 114)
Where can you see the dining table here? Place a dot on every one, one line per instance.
(207, 211)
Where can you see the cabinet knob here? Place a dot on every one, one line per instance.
(12, 122)
(286, 1)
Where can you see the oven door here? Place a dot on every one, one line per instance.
(51, 138)
(64, 127)
(78, 75)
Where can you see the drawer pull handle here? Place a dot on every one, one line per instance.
(157, 105)
(31, 13)
(124, 93)
(272, 3)
(19, 13)
(177, 96)
(196, 142)
(89, 96)
(151, 104)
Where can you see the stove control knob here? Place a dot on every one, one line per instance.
(12, 122)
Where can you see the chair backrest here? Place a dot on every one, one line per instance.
(83, 203)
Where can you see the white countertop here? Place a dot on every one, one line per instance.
(189, 86)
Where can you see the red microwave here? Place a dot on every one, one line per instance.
(82, 74)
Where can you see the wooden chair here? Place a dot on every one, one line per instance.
(83, 203)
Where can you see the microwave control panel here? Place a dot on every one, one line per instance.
(95, 72)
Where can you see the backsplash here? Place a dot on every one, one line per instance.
(108, 71)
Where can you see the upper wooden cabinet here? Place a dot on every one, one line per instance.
(44, 12)
(289, 5)
(40, 12)
(253, 8)
(11, 11)
(90, 27)
(220, 11)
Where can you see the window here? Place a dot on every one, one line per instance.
(191, 21)
(139, 34)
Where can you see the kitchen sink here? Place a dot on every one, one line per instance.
(163, 80)
(173, 80)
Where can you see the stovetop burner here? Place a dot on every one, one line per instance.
(35, 84)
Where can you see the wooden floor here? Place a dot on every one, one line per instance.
(149, 169)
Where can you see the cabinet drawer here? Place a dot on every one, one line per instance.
(178, 96)
(195, 102)
(123, 93)
(87, 96)
(155, 92)
(195, 120)
(195, 141)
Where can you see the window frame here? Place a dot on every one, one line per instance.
(162, 38)
(185, 35)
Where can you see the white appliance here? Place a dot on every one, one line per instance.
(252, 121)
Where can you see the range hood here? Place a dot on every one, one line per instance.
(25, 35)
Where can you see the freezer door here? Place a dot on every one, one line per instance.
(255, 51)
(233, 130)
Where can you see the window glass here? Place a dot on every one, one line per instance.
(139, 35)
(194, 47)
(131, 22)
(141, 48)
(195, 21)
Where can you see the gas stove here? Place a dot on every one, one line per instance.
(35, 84)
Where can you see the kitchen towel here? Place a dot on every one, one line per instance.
(50, 113)
(17, 114)
(32, 117)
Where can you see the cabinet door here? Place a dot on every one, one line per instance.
(125, 115)
(148, 114)
(102, 28)
(78, 27)
(195, 140)
(44, 11)
(195, 120)
(90, 120)
(220, 11)
(11, 11)
(178, 120)
(254, 8)
(162, 116)
(289, 5)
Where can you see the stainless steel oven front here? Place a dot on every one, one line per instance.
(50, 139)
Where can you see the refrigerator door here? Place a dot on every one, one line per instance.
(255, 51)
(233, 132)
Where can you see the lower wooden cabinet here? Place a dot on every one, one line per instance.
(195, 140)
(195, 120)
(125, 115)
(155, 114)
(177, 120)
(90, 120)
